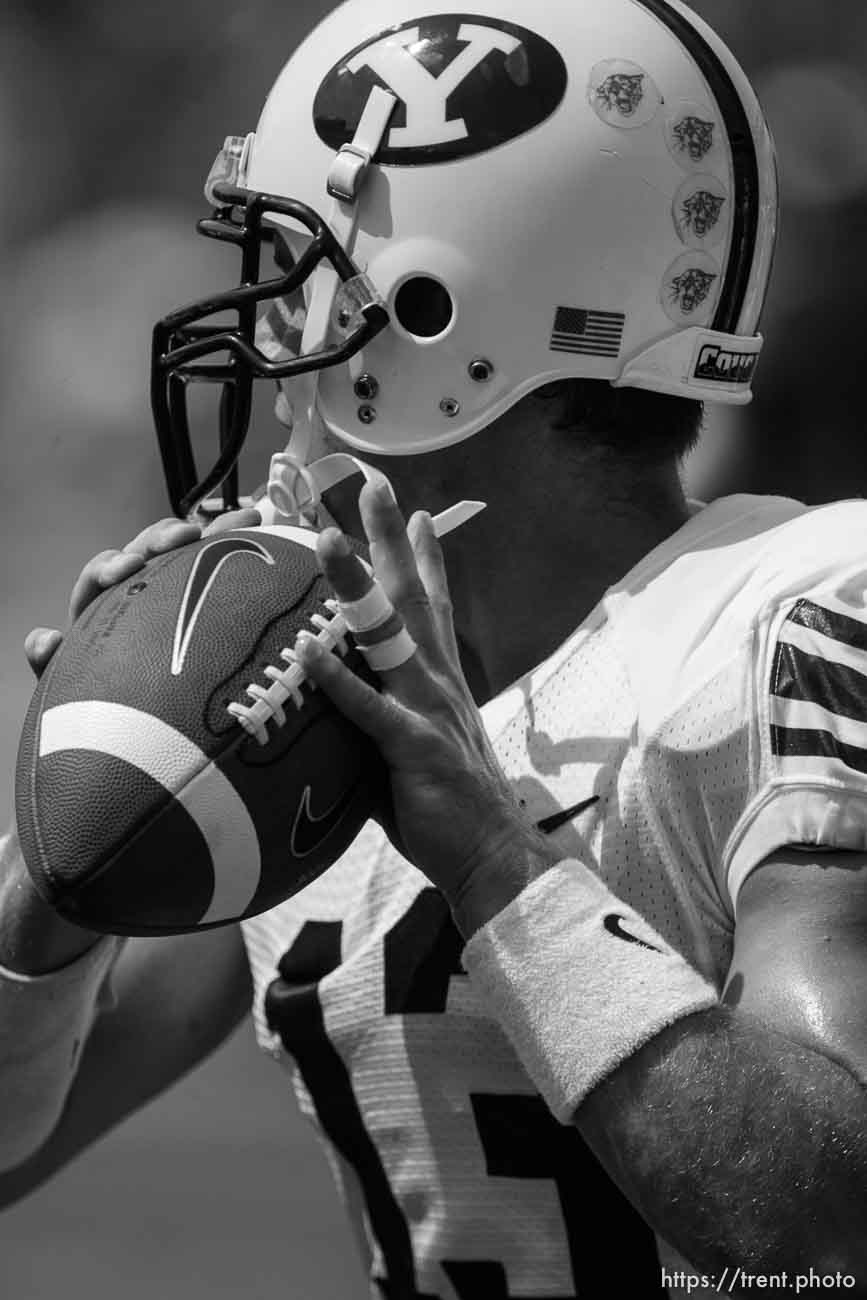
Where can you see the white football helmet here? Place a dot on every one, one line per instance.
(535, 191)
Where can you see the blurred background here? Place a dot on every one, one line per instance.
(110, 117)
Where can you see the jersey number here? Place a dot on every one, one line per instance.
(518, 1135)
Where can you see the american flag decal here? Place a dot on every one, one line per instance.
(592, 333)
(818, 706)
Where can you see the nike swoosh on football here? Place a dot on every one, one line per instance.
(612, 923)
(202, 576)
(308, 830)
(558, 819)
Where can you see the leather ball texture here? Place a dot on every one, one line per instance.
(143, 806)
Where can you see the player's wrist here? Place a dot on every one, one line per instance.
(511, 860)
(34, 938)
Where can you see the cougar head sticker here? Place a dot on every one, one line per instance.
(622, 92)
(690, 289)
(464, 84)
(693, 136)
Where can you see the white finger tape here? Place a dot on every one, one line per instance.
(370, 611)
(391, 653)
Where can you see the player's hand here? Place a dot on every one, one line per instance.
(111, 567)
(454, 810)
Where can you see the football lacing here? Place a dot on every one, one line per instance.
(286, 683)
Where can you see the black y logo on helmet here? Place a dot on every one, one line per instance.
(202, 577)
(465, 84)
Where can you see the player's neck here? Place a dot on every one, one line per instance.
(521, 587)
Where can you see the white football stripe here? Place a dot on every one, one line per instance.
(824, 647)
(802, 714)
(168, 757)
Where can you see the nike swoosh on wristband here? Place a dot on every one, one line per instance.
(308, 830)
(612, 923)
(558, 819)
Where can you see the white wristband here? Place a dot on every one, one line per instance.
(579, 981)
(44, 1023)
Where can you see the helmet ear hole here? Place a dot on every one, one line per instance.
(423, 307)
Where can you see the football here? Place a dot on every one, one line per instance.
(176, 772)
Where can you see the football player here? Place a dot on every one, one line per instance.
(610, 987)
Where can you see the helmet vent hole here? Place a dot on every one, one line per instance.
(423, 307)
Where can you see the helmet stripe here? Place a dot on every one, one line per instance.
(746, 167)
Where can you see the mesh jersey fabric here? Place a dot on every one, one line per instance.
(666, 715)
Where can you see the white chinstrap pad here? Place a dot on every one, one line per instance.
(369, 611)
(393, 652)
(579, 981)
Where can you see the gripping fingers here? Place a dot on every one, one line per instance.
(103, 571)
(246, 517)
(111, 567)
(360, 703)
(377, 627)
(393, 559)
(169, 534)
(39, 647)
(432, 572)
(164, 536)
(341, 567)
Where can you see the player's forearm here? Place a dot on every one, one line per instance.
(739, 1147)
(736, 1144)
(51, 974)
(33, 937)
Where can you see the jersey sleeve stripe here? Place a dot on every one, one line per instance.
(837, 626)
(793, 742)
(836, 687)
(818, 700)
(803, 715)
(816, 643)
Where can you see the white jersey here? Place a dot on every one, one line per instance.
(709, 710)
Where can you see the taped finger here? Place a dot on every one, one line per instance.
(379, 631)
(393, 652)
(369, 611)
